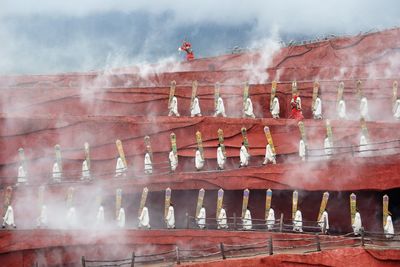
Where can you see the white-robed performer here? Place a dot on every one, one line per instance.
(144, 219)
(56, 172)
(328, 147)
(100, 216)
(121, 218)
(364, 108)
(220, 110)
(222, 220)
(357, 224)
(170, 219)
(396, 109)
(302, 150)
(173, 161)
(275, 109)
(298, 222)
(72, 219)
(120, 168)
(42, 221)
(341, 109)
(201, 218)
(248, 108)
(246, 221)
(173, 108)
(85, 171)
(195, 109)
(198, 160)
(221, 158)
(21, 178)
(148, 165)
(317, 110)
(324, 218)
(270, 219)
(8, 219)
(388, 228)
(269, 155)
(244, 156)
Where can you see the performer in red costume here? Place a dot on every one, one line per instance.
(296, 113)
(187, 47)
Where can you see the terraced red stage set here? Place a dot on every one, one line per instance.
(127, 104)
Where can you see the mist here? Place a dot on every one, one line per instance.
(48, 37)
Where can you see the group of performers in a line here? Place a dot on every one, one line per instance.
(199, 162)
(72, 220)
(295, 104)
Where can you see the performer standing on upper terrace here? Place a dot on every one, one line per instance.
(222, 221)
(298, 222)
(275, 108)
(173, 108)
(21, 179)
(144, 219)
(324, 220)
(195, 108)
(317, 110)
(56, 172)
(269, 155)
(364, 108)
(201, 218)
(121, 218)
(341, 109)
(120, 168)
(221, 158)
(396, 109)
(295, 104)
(170, 219)
(302, 150)
(357, 225)
(199, 161)
(220, 110)
(8, 219)
(328, 147)
(187, 47)
(388, 228)
(244, 156)
(246, 221)
(270, 219)
(148, 166)
(248, 109)
(85, 171)
(173, 160)
(43, 219)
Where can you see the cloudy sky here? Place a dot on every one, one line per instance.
(47, 36)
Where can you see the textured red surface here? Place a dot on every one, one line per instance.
(24, 248)
(337, 257)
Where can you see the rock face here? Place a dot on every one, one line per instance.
(38, 112)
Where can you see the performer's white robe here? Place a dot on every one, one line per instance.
(220, 108)
(317, 112)
(271, 219)
(195, 111)
(8, 219)
(363, 145)
(144, 219)
(72, 220)
(342, 110)
(388, 228)
(148, 166)
(121, 218)
(275, 109)
(302, 150)
(100, 216)
(327, 147)
(247, 224)
(220, 158)
(396, 109)
(269, 155)
(201, 218)
(170, 219)
(85, 170)
(324, 216)
(173, 160)
(199, 161)
(222, 221)
(248, 108)
(364, 108)
(120, 168)
(56, 172)
(21, 175)
(357, 223)
(298, 222)
(244, 156)
(173, 109)
(42, 221)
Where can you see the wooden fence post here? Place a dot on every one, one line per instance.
(270, 246)
(83, 261)
(281, 223)
(178, 260)
(133, 259)
(221, 245)
(317, 242)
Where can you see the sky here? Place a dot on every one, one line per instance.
(49, 36)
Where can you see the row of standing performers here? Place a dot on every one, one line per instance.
(295, 104)
(199, 159)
